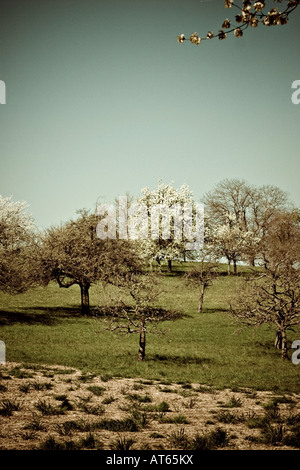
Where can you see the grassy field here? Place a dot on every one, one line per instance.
(44, 326)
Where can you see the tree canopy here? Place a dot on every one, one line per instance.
(174, 222)
(72, 254)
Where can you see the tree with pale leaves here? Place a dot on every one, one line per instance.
(238, 215)
(251, 14)
(232, 243)
(18, 242)
(171, 222)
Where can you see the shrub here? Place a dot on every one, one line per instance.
(210, 441)
(293, 437)
(47, 408)
(96, 390)
(8, 406)
(179, 439)
(122, 443)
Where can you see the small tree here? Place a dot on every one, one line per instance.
(238, 216)
(202, 276)
(140, 315)
(72, 254)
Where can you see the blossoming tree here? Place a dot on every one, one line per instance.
(166, 214)
(17, 246)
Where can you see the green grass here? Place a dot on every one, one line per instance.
(44, 326)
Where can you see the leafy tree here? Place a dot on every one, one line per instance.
(251, 13)
(72, 254)
(273, 294)
(18, 242)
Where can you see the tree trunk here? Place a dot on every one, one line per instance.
(201, 298)
(85, 298)
(284, 352)
(281, 343)
(228, 267)
(234, 267)
(169, 265)
(142, 344)
(278, 340)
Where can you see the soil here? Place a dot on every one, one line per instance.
(54, 407)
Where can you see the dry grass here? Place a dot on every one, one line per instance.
(43, 407)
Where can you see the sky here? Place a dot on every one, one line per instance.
(101, 100)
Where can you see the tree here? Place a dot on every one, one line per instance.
(174, 222)
(238, 215)
(72, 254)
(202, 275)
(141, 315)
(273, 295)
(232, 243)
(250, 14)
(18, 242)
(264, 203)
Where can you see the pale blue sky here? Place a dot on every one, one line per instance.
(102, 100)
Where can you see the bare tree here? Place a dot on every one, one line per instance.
(250, 14)
(272, 296)
(202, 275)
(141, 315)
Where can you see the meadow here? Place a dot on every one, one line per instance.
(44, 326)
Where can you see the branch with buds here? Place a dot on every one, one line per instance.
(251, 14)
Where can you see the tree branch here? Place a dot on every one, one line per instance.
(247, 18)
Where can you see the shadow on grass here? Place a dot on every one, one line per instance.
(48, 316)
(179, 360)
(214, 310)
(159, 313)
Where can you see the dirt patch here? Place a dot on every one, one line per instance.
(53, 407)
